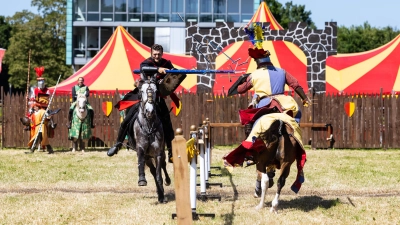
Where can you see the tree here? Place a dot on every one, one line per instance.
(363, 38)
(44, 34)
(5, 33)
(290, 13)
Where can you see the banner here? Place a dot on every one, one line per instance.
(2, 52)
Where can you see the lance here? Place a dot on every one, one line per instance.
(154, 69)
(44, 116)
(28, 83)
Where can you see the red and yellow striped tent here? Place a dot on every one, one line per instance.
(112, 67)
(263, 14)
(284, 54)
(365, 72)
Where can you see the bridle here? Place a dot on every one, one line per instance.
(151, 125)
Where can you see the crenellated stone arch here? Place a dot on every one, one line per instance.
(317, 45)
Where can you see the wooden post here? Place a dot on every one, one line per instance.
(181, 175)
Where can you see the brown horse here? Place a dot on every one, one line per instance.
(282, 149)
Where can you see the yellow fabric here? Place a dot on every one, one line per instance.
(261, 82)
(287, 103)
(191, 149)
(35, 125)
(265, 122)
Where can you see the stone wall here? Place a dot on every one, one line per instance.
(317, 45)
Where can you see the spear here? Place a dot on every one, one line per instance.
(27, 82)
(44, 116)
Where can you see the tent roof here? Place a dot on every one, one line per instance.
(112, 67)
(263, 14)
(365, 72)
(284, 55)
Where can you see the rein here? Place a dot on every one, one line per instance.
(151, 130)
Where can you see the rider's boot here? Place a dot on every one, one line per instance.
(70, 112)
(121, 136)
(49, 149)
(247, 129)
(91, 114)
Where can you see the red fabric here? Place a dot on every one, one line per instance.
(125, 104)
(257, 53)
(300, 175)
(251, 115)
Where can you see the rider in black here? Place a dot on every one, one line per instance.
(161, 66)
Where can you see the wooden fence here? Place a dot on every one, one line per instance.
(373, 124)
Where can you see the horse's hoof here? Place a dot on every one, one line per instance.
(167, 181)
(273, 210)
(259, 207)
(142, 183)
(73, 150)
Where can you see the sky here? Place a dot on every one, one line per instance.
(378, 13)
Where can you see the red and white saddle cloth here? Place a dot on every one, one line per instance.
(252, 143)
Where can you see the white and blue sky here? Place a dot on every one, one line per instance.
(380, 13)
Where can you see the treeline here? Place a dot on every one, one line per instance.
(44, 34)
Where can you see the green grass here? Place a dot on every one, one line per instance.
(341, 187)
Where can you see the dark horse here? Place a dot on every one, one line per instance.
(149, 137)
(282, 149)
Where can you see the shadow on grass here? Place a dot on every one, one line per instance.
(307, 203)
(228, 217)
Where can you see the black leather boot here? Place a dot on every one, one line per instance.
(114, 150)
(247, 129)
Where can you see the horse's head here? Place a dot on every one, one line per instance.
(148, 94)
(81, 102)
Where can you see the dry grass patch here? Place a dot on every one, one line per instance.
(342, 187)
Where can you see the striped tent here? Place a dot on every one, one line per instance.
(284, 54)
(112, 67)
(263, 14)
(365, 72)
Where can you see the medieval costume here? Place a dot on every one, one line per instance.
(268, 83)
(130, 103)
(39, 130)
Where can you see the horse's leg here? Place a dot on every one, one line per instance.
(264, 188)
(167, 181)
(141, 162)
(81, 145)
(285, 170)
(159, 180)
(74, 145)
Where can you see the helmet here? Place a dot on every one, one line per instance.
(40, 79)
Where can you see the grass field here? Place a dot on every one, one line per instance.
(341, 187)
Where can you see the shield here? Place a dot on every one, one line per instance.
(239, 81)
(107, 108)
(349, 108)
(170, 82)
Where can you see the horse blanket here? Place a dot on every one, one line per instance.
(78, 125)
